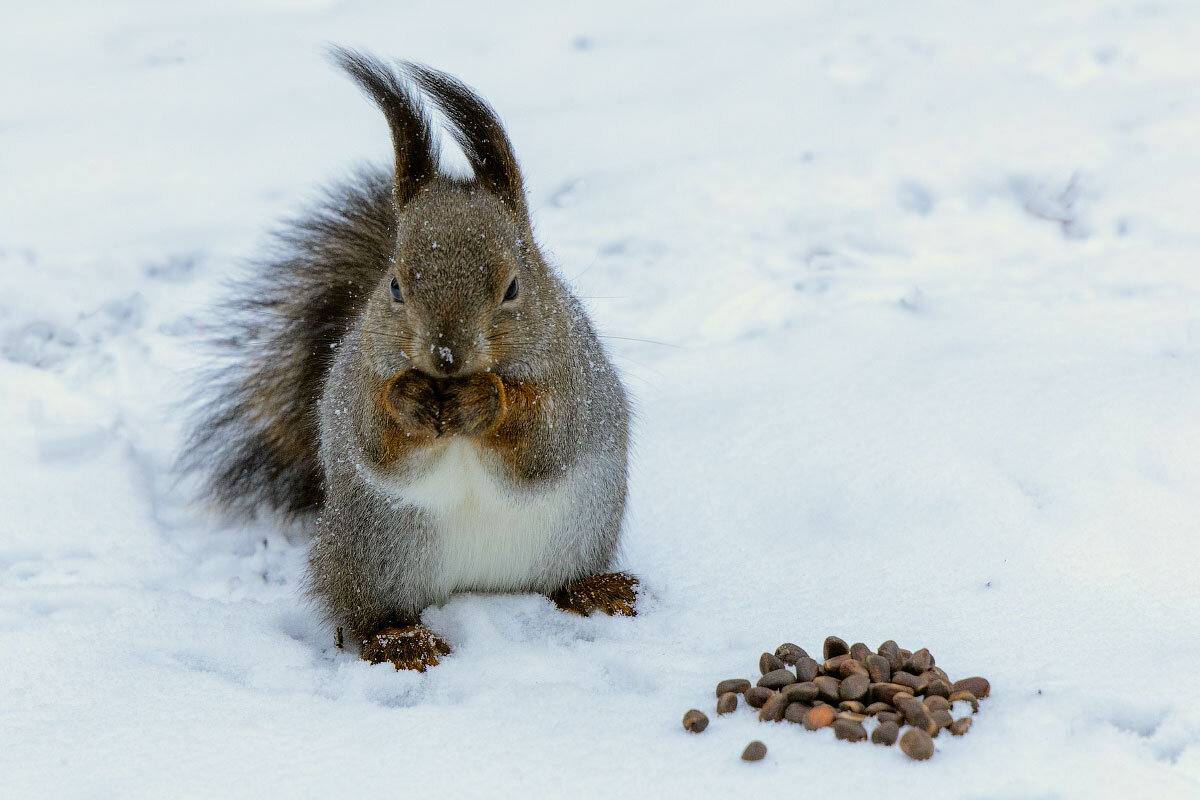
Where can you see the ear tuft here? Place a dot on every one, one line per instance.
(412, 137)
(478, 130)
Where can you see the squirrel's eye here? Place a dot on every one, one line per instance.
(511, 294)
(396, 295)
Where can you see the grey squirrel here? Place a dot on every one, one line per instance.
(413, 380)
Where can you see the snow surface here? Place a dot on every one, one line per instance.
(906, 294)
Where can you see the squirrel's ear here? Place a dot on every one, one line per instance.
(412, 137)
(478, 130)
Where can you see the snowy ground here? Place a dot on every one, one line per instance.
(925, 280)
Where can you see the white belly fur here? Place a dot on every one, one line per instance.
(492, 537)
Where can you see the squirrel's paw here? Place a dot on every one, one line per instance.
(412, 400)
(408, 647)
(473, 405)
(612, 593)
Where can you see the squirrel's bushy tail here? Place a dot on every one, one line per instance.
(256, 440)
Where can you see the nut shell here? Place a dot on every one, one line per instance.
(976, 686)
(790, 653)
(695, 721)
(777, 679)
(769, 662)
(819, 717)
(834, 647)
(849, 730)
(757, 695)
(755, 751)
(917, 744)
(886, 733)
(735, 685)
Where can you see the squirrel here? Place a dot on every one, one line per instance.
(412, 380)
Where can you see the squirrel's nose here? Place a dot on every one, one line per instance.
(444, 360)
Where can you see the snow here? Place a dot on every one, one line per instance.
(905, 294)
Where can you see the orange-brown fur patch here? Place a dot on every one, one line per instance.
(513, 436)
(404, 429)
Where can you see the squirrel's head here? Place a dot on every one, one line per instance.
(466, 289)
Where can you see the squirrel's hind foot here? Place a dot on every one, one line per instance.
(614, 593)
(405, 647)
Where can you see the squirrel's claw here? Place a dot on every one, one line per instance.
(407, 647)
(614, 593)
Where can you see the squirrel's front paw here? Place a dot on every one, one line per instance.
(407, 647)
(472, 406)
(612, 593)
(412, 400)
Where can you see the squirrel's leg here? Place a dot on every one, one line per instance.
(612, 593)
(361, 567)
